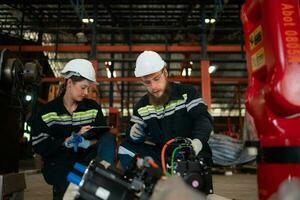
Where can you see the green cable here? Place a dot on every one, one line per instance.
(172, 160)
(168, 174)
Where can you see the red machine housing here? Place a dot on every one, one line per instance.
(272, 44)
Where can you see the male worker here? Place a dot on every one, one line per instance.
(168, 110)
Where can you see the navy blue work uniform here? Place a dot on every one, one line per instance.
(184, 115)
(53, 125)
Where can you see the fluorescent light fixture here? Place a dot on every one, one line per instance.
(212, 20)
(212, 69)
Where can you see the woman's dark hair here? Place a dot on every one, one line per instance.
(63, 86)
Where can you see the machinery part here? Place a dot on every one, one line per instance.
(11, 70)
(79, 67)
(32, 72)
(102, 181)
(196, 174)
(186, 164)
(147, 63)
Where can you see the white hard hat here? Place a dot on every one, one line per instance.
(79, 67)
(147, 63)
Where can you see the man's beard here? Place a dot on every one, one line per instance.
(163, 99)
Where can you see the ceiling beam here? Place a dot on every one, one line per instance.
(216, 80)
(121, 48)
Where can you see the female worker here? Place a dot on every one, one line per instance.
(67, 128)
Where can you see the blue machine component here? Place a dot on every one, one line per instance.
(73, 178)
(81, 168)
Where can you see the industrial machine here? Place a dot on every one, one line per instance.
(272, 44)
(100, 180)
(17, 82)
(11, 82)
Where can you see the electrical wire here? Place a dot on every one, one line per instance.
(173, 155)
(163, 161)
(152, 163)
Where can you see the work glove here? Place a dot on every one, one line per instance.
(69, 142)
(75, 141)
(197, 145)
(137, 132)
(84, 143)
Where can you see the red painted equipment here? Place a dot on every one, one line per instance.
(272, 42)
(114, 120)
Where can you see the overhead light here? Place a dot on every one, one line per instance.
(212, 20)
(212, 69)
(111, 75)
(87, 20)
(107, 63)
(189, 71)
(108, 73)
(28, 97)
(186, 71)
(191, 62)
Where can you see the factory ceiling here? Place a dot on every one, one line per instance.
(212, 25)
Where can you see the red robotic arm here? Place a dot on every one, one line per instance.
(272, 44)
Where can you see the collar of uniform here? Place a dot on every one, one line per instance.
(175, 95)
(81, 104)
(60, 102)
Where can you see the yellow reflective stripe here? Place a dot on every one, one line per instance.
(76, 115)
(53, 115)
(85, 114)
(160, 109)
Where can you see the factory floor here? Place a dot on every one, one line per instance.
(237, 186)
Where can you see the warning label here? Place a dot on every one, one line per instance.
(258, 59)
(256, 37)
